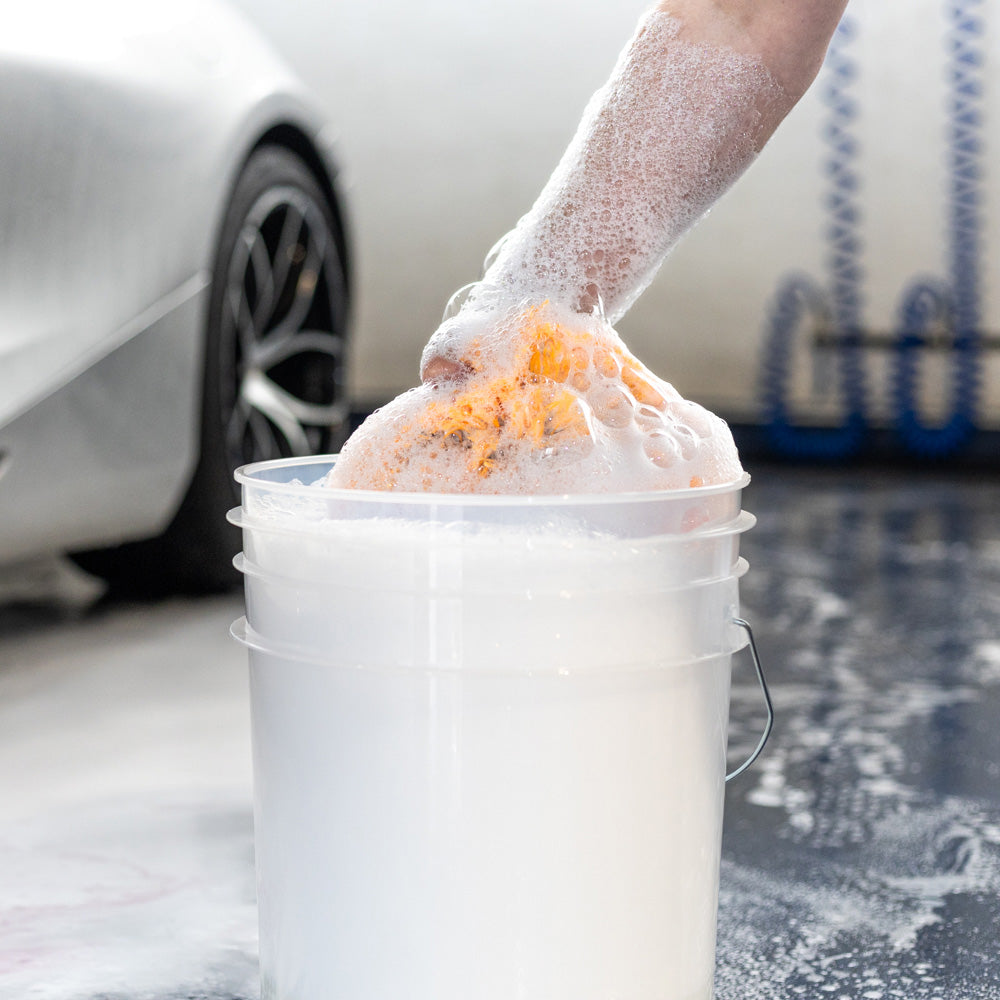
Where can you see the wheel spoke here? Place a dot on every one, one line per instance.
(248, 436)
(306, 285)
(271, 353)
(236, 429)
(264, 444)
(288, 413)
(243, 314)
(264, 282)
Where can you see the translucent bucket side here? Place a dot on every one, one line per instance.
(534, 583)
(568, 631)
(289, 492)
(405, 554)
(551, 837)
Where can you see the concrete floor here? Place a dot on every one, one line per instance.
(80, 675)
(125, 792)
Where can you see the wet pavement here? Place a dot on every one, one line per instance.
(861, 854)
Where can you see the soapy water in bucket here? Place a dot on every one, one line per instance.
(547, 399)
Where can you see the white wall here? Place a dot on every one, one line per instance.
(453, 113)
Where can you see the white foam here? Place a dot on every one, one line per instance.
(665, 137)
(553, 404)
(674, 126)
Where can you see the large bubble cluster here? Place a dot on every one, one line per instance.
(560, 407)
(549, 400)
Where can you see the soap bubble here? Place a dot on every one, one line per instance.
(457, 301)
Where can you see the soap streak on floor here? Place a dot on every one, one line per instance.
(862, 854)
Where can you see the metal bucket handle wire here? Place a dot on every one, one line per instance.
(769, 725)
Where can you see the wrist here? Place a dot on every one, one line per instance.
(790, 37)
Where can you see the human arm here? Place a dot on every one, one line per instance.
(693, 98)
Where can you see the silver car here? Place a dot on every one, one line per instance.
(174, 283)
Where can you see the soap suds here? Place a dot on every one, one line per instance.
(548, 399)
(554, 404)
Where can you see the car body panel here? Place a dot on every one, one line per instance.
(128, 125)
(110, 472)
(150, 141)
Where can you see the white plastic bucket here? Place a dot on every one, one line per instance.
(489, 738)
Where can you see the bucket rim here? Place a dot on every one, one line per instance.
(245, 474)
(743, 521)
(250, 568)
(243, 632)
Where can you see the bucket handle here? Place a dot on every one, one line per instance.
(769, 725)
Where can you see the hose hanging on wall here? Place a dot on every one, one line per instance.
(798, 297)
(800, 305)
(927, 304)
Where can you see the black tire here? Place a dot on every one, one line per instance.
(273, 374)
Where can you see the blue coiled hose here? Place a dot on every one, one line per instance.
(799, 299)
(926, 306)
(800, 304)
(928, 303)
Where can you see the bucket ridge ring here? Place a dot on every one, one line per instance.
(769, 724)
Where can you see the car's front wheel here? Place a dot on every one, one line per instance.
(273, 371)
